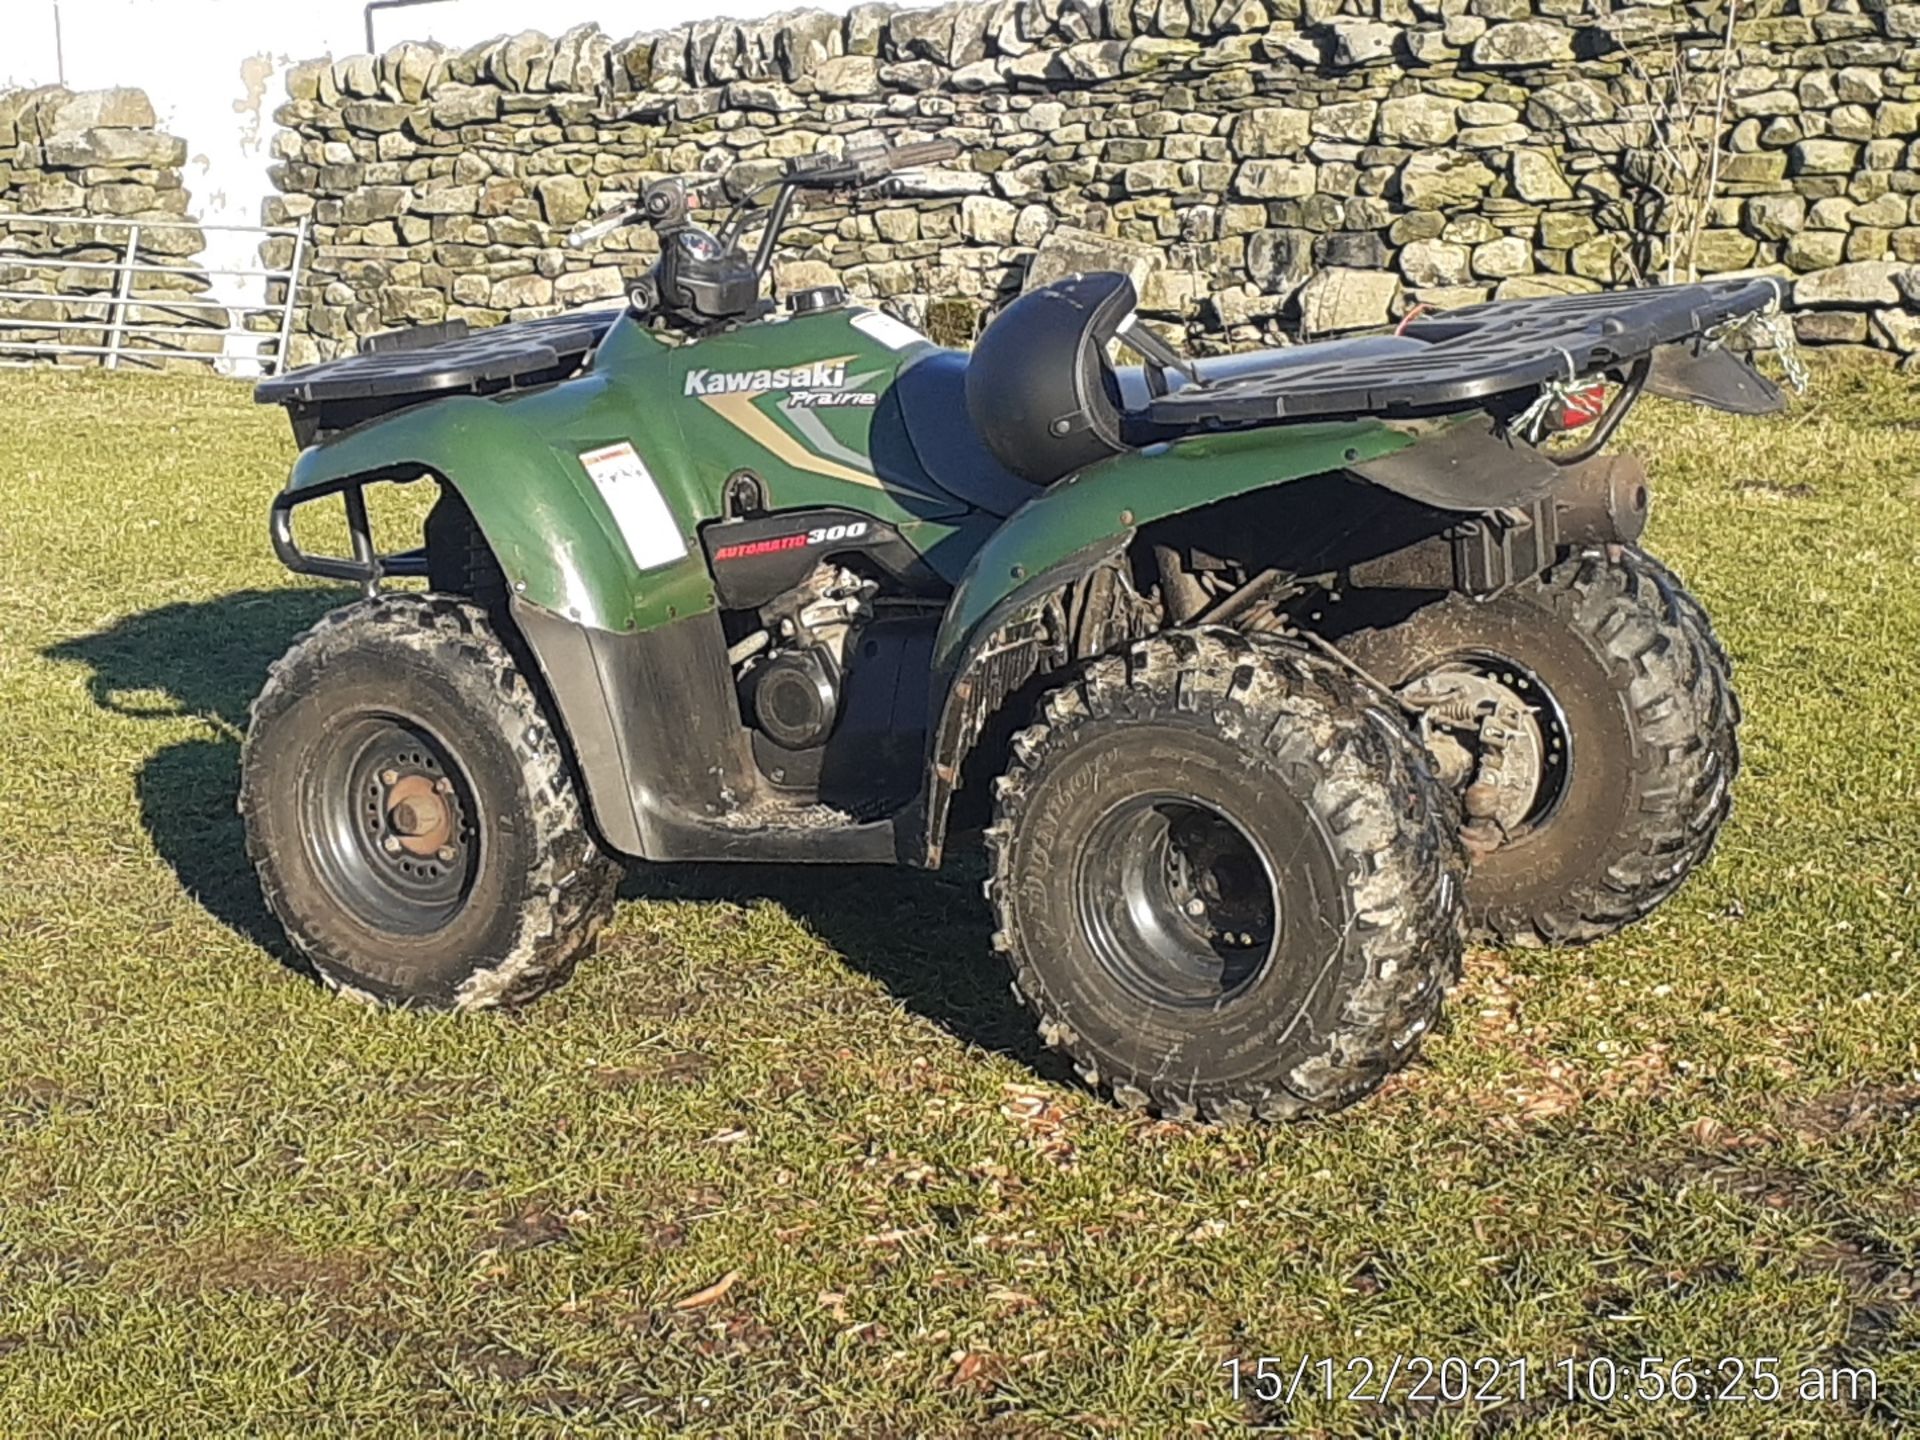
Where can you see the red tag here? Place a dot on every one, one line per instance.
(1583, 407)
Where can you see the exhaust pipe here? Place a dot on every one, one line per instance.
(1602, 501)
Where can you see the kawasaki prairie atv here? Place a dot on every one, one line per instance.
(1266, 677)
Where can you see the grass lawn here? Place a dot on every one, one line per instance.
(231, 1204)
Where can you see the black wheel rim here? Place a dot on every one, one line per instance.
(1178, 902)
(389, 817)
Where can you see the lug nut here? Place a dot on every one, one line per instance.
(443, 785)
(389, 777)
(391, 844)
(1196, 906)
(445, 854)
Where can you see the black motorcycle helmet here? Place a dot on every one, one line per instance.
(1039, 388)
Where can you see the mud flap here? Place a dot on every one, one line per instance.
(1717, 379)
(1004, 651)
(1463, 465)
(651, 719)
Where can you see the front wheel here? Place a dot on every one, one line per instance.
(1225, 879)
(411, 815)
(1588, 721)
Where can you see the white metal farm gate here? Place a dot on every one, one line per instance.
(120, 309)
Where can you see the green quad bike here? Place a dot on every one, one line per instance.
(1267, 677)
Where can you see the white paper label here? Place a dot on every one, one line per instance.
(646, 524)
(888, 331)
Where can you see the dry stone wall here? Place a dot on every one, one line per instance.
(1262, 166)
(88, 161)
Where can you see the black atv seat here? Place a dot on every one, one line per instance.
(931, 394)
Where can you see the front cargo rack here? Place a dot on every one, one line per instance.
(1468, 355)
(408, 367)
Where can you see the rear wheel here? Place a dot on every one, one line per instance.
(1227, 883)
(411, 815)
(1589, 722)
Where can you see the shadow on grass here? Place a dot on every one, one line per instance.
(210, 659)
(923, 936)
(926, 936)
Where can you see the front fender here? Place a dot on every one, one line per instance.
(1111, 500)
(552, 534)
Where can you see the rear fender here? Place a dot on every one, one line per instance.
(1716, 378)
(990, 643)
(1114, 499)
(1464, 462)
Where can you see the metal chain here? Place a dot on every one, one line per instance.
(1768, 329)
(1777, 327)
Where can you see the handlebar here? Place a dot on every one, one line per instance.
(714, 280)
(588, 231)
(853, 170)
(866, 165)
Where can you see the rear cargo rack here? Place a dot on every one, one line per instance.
(1472, 354)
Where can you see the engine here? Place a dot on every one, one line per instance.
(791, 672)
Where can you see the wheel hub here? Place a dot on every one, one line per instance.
(1497, 738)
(419, 820)
(1179, 904)
(390, 825)
(1217, 882)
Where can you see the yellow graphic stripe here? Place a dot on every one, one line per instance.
(739, 411)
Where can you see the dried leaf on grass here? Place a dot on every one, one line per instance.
(975, 1367)
(1045, 1120)
(711, 1295)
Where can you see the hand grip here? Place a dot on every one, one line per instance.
(866, 165)
(588, 231)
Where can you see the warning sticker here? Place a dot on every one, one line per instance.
(646, 525)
